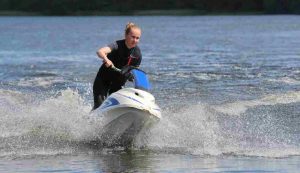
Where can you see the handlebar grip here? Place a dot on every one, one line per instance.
(116, 69)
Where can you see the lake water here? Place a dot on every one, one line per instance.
(228, 86)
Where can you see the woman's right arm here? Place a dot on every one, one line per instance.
(102, 53)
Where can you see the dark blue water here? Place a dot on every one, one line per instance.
(229, 88)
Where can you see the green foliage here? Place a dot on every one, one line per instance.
(272, 6)
(294, 6)
(69, 7)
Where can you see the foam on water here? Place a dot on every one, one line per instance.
(58, 125)
(286, 80)
(239, 107)
(44, 82)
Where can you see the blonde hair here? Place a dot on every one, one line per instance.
(129, 26)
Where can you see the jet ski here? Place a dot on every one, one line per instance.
(129, 111)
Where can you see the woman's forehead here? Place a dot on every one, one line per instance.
(135, 31)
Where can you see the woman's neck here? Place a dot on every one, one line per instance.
(127, 45)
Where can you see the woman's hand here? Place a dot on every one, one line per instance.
(102, 53)
(107, 62)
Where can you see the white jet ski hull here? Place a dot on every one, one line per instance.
(125, 114)
(128, 124)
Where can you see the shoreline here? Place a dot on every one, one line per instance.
(136, 13)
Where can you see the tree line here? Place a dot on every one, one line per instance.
(131, 7)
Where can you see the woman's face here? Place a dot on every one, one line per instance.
(133, 37)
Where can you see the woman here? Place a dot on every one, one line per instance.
(119, 54)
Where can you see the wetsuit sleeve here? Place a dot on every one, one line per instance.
(113, 46)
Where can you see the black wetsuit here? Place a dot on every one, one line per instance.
(108, 81)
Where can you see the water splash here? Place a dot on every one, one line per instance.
(268, 127)
(55, 125)
(59, 125)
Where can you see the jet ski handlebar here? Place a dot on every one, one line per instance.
(133, 74)
(116, 69)
(125, 71)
